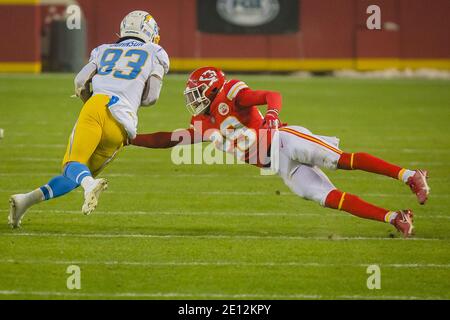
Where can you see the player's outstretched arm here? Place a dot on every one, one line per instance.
(249, 98)
(273, 100)
(163, 140)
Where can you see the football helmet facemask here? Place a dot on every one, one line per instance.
(202, 87)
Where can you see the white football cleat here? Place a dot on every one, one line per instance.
(92, 195)
(18, 205)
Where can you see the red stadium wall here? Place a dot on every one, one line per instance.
(20, 38)
(332, 35)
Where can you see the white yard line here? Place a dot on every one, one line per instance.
(299, 215)
(230, 193)
(205, 236)
(195, 213)
(35, 145)
(30, 134)
(269, 296)
(244, 193)
(171, 175)
(401, 195)
(224, 264)
(31, 159)
(407, 150)
(159, 295)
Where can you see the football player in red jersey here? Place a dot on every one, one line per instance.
(225, 113)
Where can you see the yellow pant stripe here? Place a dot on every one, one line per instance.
(351, 160)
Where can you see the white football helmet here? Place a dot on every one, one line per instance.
(140, 24)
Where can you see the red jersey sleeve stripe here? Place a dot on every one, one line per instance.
(234, 90)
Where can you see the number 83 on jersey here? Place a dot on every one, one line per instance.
(111, 61)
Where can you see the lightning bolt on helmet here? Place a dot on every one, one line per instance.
(140, 24)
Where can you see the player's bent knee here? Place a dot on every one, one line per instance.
(330, 163)
(310, 183)
(318, 195)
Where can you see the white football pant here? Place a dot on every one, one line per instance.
(297, 156)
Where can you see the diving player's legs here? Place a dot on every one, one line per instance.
(401, 219)
(324, 152)
(312, 184)
(415, 179)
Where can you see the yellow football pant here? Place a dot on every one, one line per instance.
(97, 137)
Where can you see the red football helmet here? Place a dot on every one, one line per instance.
(202, 87)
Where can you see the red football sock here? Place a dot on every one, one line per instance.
(350, 203)
(369, 163)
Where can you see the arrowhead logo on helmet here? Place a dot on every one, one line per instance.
(202, 87)
(209, 75)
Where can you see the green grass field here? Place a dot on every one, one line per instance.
(164, 231)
